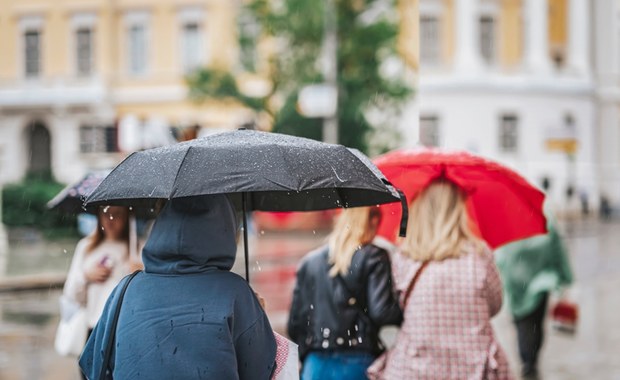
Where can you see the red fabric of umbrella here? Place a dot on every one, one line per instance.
(503, 206)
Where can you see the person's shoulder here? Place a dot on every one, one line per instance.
(83, 244)
(385, 244)
(311, 258)
(232, 278)
(480, 253)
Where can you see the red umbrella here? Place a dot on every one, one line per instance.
(503, 206)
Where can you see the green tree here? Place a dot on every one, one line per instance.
(367, 34)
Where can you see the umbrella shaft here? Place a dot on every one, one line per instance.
(245, 237)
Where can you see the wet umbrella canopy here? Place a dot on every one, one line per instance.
(263, 171)
(71, 198)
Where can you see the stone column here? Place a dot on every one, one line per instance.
(467, 57)
(537, 57)
(578, 36)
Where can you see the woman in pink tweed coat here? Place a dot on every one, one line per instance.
(447, 332)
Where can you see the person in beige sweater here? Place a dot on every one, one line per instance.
(100, 261)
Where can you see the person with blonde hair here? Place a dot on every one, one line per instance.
(342, 297)
(450, 290)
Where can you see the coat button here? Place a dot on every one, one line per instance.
(326, 332)
(352, 301)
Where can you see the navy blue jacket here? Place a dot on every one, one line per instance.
(187, 316)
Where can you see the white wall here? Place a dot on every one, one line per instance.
(470, 119)
(14, 148)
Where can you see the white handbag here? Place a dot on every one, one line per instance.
(72, 329)
(287, 359)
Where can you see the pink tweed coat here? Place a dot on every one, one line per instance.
(447, 332)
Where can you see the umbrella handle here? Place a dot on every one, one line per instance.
(404, 216)
(133, 237)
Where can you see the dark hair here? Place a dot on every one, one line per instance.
(98, 235)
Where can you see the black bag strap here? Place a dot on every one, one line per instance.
(112, 339)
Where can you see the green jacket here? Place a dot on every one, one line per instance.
(532, 267)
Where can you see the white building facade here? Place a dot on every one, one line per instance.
(606, 38)
(537, 113)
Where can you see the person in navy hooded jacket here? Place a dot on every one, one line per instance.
(187, 316)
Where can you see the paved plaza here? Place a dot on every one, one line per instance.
(28, 319)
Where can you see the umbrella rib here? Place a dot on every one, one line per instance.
(174, 183)
(289, 170)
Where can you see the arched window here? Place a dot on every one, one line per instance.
(39, 150)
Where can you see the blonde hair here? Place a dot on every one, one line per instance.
(353, 229)
(438, 226)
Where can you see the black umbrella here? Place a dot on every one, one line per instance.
(71, 198)
(262, 171)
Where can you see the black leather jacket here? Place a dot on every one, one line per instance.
(323, 312)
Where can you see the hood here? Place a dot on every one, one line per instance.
(192, 235)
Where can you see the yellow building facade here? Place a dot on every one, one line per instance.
(112, 29)
(73, 71)
(505, 22)
(83, 82)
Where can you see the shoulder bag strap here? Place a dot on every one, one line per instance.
(112, 339)
(412, 284)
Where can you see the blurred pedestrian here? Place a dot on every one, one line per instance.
(100, 261)
(342, 297)
(530, 270)
(605, 209)
(187, 315)
(450, 289)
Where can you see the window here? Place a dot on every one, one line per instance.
(249, 30)
(487, 38)
(429, 130)
(98, 139)
(192, 46)
(137, 49)
(429, 39)
(32, 53)
(508, 134)
(84, 51)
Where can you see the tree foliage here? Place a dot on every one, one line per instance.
(367, 35)
(24, 204)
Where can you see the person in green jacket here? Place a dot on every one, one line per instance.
(530, 269)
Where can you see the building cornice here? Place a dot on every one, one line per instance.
(548, 85)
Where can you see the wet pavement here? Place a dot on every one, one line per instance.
(28, 319)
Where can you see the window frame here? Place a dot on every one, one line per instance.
(103, 139)
(430, 54)
(508, 139)
(137, 19)
(426, 120)
(39, 55)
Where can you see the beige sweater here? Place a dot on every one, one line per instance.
(93, 295)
